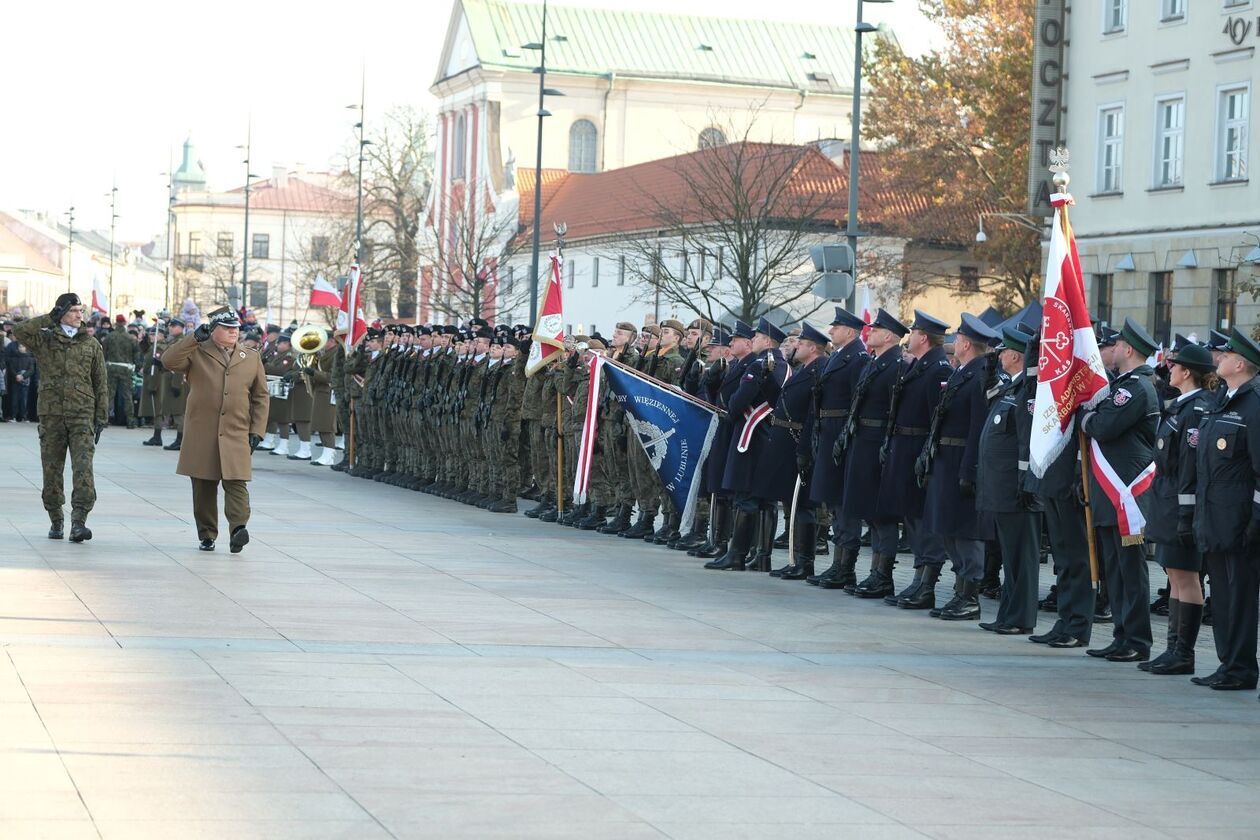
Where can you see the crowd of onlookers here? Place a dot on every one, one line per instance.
(18, 375)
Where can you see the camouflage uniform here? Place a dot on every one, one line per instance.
(120, 363)
(73, 399)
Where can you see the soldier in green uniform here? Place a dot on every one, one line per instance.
(642, 479)
(150, 381)
(120, 363)
(505, 428)
(669, 370)
(610, 470)
(341, 399)
(533, 420)
(172, 393)
(73, 409)
(363, 369)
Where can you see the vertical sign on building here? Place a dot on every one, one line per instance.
(1047, 103)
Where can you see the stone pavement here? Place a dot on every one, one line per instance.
(381, 663)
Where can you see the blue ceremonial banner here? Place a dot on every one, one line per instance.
(675, 430)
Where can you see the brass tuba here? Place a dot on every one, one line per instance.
(308, 342)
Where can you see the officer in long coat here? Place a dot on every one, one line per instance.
(715, 467)
(750, 408)
(915, 398)
(1123, 426)
(1227, 524)
(785, 462)
(225, 422)
(872, 400)
(836, 385)
(948, 465)
(1002, 486)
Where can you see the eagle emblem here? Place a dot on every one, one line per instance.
(1192, 437)
(654, 440)
(1122, 396)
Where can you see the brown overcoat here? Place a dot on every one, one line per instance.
(227, 402)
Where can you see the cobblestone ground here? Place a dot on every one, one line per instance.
(381, 663)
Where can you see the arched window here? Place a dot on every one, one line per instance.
(711, 137)
(459, 152)
(582, 145)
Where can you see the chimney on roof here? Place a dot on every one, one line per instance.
(279, 176)
(299, 171)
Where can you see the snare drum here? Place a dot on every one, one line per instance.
(277, 388)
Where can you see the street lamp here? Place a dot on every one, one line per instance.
(855, 140)
(1018, 219)
(358, 217)
(249, 128)
(543, 92)
(70, 250)
(113, 217)
(170, 218)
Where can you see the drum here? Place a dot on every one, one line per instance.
(277, 388)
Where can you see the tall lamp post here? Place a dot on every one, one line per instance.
(70, 251)
(855, 140)
(113, 217)
(245, 249)
(543, 113)
(358, 213)
(170, 219)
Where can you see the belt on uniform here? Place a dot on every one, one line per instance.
(947, 441)
(833, 412)
(785, 424)
(871, 424)
(122, 364)
(909, 430)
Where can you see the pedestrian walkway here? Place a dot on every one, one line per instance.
(381, 663)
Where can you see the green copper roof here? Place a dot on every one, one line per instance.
(814, 57)
(190, 171)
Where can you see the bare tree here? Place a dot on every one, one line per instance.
(734, 240)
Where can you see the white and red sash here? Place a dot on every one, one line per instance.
(1123, 496)
(753, 417)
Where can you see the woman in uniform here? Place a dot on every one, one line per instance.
(1171, 524)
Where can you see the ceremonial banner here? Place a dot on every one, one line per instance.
(323, 294)
(674, 429)
(100, 303)
(549, 328)
(1070, 372)
(351, 303)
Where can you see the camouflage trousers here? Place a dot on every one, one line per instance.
(57, 435)
(119, 380)
(645, 481)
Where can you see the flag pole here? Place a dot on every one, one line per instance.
(559, 458)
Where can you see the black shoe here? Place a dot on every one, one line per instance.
(1103, 653)
(1160, 605)
(1047, 637)
(538, 510)
(156, 440)
(990, 625)
(240, 539)
(966, 607)
(174, 446)
(1209, 680)
(56, 530)
(782, 570)
(1231, 684)
(1127, 654)
(1050, 603)
(1067, 641)
(800, 571)
(924, 596)
(1208, 621)
(502, 507)
(1012, 630)
(879, 583)
(936, 611)
(552, 515)
(206, 545)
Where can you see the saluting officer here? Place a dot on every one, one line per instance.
(837, 383)
(948, 466)
(1123, 426)
(915, 398)
(872, 401)
(1227, 524)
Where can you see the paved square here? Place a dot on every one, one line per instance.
(381, 663)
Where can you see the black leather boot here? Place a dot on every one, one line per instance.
(695, 537)
(1169, 649)
(935, 612)
(719, 532)
(991, 583)
(924, 596)
(765, 542)
(669, 531)
(598, 516)
(622, 523)
(156, 439)
(174, 445)
(79, 531)
(966, 607)
(641, 528)
(56, 529)
(844, 578)
(892, 598)
(879, 583)
(803, 560)
(538, 509)
(1189, 619)
(733, 559)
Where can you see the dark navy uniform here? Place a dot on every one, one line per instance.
(872, 400)
(761, 382)
(949, 509)
(1227, 528)
(715, 466)
(791, 439)
(836, 385)
(1171, 523)
(1124, 426)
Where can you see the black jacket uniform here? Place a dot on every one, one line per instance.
(1227, 494)
(1176, 447)
(955, 436)
(791, 437)
(835, 387)
(872, 399)
(1002, 471)
(900, 496)
(715, 465)
(760, 383)
(1124, 426)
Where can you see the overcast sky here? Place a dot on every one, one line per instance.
(98, 94)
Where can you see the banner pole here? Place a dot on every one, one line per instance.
(350, 437)
(1082, 441)
(559, 459)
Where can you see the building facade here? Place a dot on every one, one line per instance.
(1157, 117)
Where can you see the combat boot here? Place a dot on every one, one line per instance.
(619, 522)
(554, 514)
(671, 530)
(924, 597)
(538, 509)
(572, 515)
(1189, 619)
(892, 598)
(156, 439)
(503, 506)
(598, 516)
(879, 582)
(830, 572)
(845, 577)
(641, 527)
(966, 607)
(693, 538)
(733, 559)
(174, 445)
(936, 611)
(79, 531)
(56, 528)
(803, 563)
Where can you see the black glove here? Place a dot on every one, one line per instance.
(96, 430)
(804, 464)
(1078, 493)
(1252, 538)
(202, 332)
(174, 391)
(1027, 501)
(288, 378)
(506, 434)
(254, 440)
(921, 469)
(967, 488)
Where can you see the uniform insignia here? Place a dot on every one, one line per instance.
(242, 354)
(1122, 396)
(1159, 444)
(1192, 437)
(1031, 403)
(1221, 444)
(997, 421)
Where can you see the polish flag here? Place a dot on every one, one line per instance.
(351, 303)
(865, 311)
(323, 294)
(100, 302)
(549, 329)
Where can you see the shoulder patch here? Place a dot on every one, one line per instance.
(1031, 404)
(1192, 437)
(1121, 396)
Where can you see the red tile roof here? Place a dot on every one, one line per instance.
(297, 195)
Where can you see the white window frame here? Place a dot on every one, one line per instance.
(1108, 7)
(1235, 5)
(1167, 14)
(459, 144)
(1218, 138)
(1100, 185)
(1178, 135)
(578, 154)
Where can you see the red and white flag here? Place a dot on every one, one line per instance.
(351, 303)
(100, 302)
(865, 311)
(549, 328)
(323, 294)
(1070, 371)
